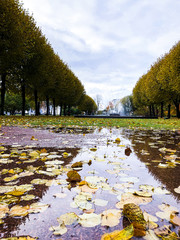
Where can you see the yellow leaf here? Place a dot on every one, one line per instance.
(124, 234)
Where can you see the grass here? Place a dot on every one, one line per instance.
(42, 121)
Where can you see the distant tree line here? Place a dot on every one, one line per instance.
(30, 68)
(160, 86)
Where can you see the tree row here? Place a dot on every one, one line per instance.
(160, 86)
(29, 66)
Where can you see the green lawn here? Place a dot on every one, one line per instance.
(33, 121)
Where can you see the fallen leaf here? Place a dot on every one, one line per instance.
(150, 235)
(37, 207)
(19, 211)
(68, 218)
(175, 219)
(131, 198)
(177, 190)
(125, 234)
(100, 202)
(110, 217)
(89, 220)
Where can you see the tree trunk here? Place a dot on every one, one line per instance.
(60, 114)
(3, 90)
(47, 105)
(54, 107)
(153, 110)
(69, 110)
(162, 110)
(169, 110)
(23, 97)
(64, 109)
(150, 110)
(38, 108)
(36, 102)
(177, 110)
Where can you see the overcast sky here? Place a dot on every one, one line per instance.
(108, 44)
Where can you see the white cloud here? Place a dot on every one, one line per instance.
(108, 44)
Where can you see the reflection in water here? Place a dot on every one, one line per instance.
(117, 167)
(160, 151)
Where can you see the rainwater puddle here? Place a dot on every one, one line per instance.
(34, 190)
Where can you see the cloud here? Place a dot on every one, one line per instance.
(108, 44)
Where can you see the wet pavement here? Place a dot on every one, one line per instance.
(121, 159)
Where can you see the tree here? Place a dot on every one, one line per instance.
(88, 105)
(14, 40)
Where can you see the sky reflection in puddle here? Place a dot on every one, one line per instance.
(145, 164)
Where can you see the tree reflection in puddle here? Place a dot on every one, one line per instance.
(110, 169)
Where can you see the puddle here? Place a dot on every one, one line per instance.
(111, 167)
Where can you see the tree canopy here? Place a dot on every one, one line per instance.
(28, 64)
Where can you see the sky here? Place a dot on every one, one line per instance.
(108, 44)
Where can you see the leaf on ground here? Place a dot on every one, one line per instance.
(177, 190)
(125, 234)
(18, 211)
(3, 210)
(9, 179)
(16, 193)
(39, 181)
(28, 197)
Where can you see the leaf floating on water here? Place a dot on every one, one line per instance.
(149, 217)
(93, 149)
(37, 207)
(68, 218)
(110, 217)
(90, 220)
(171, 236)
(125, 234)
(100, 202)
(60, 195)
(150, 235)
(73, 176)
(168, 208)
(175, 219)
(131, 198)
(59, 230)
(143, 193)
(161, 190)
